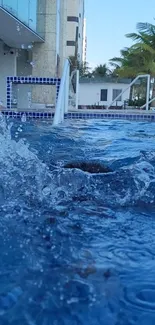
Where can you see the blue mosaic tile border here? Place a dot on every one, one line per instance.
(135, 117)
(29, 115)
(30, 80)
(50, 115)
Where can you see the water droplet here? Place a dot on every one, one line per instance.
(46, 191)
(72, 300)
(23, 118)
(18, 28)
(32, 63)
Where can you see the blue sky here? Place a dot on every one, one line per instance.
(107, 23)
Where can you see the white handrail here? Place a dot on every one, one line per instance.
(150, 101)
(63, 97)
(131, 84)
(77, 88)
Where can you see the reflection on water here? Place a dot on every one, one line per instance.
(77, 248)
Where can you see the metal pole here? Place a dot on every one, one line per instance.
(77, 88)
(148, 93)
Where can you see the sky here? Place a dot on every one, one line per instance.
(107, 23)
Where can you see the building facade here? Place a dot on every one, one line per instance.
(71, 36)
(84, 49)
(102, 92)
(36, 36)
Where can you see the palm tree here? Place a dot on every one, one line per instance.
(145, 43)
(101, 71)
(129, 65)
(83, 67)
(140, 57)
(131, 62)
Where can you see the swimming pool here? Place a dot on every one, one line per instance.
(77, 248)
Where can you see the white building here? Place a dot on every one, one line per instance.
(36, 36)
(103, 91)
(74, 30)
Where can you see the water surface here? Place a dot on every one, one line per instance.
(77, 248)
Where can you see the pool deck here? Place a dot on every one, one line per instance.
(127, 114)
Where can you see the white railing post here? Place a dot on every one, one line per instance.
(131, 84)
(77, 88)
(150, 101)
(67, 90)
(148, 92)
(63, 97)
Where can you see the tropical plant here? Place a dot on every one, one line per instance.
(101, 71)
(128, 65)
(145, 43)
(140, 57)
(131, 62)
(83, 67)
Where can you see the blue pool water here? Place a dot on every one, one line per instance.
(77, 248)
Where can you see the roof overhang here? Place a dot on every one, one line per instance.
(13, 36)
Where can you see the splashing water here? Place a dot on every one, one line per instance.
(30, 46)
(18, 27)
(77, 248)
(23, 118)
(32, 63)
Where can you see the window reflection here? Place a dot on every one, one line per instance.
(24, 10)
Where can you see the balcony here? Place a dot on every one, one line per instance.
(21, 22)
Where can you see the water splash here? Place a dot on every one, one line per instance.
(79, 248)
(23, 118)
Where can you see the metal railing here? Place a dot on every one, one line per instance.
(131, 84)
(63, 97)
(150, 101)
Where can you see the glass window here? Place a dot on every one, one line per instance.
(103, 95)
(116, 93)
(29, 12)
(11, 6)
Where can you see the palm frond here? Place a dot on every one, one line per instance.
(143, 47)
(147, 28)
(114, 65)
(116, 59)
(134, 36)
(125, 52)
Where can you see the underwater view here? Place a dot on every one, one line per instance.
(77, 247)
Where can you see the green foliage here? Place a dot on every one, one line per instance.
(83, 67)
(101, 71)
(140, 57)
(136, 102)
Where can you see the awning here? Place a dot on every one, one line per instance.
(14, 33)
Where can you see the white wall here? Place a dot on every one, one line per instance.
(7, 68)
(89, 93)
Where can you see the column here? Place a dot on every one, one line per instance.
(44, 55)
